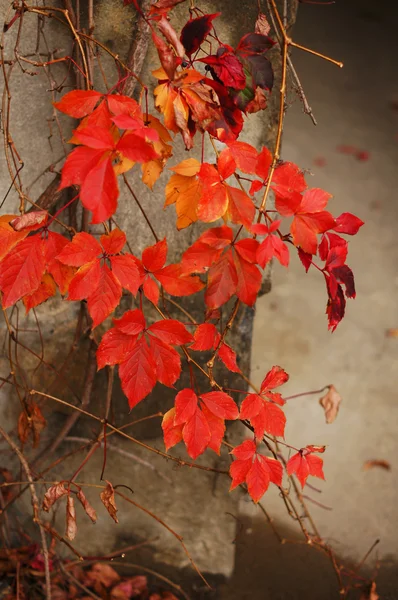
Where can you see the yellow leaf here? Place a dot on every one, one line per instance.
(188, 167)
(184, 192)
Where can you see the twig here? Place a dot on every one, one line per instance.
(35, 504)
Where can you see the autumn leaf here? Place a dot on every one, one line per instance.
(53, 494)
(198, 421)
(88, 509)
(195, 31)
(94, 280)
(254, 469)
(330, 402)
(31, 422)
(184, 189)
(145, 354)
(71, 525)
(305, 463)
(108, 500)
(381, 464)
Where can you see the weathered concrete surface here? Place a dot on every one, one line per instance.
(194, 503)
(353, 107)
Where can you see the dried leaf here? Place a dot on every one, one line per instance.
(71, 525)
(382, 464)
(31, 422)
(87, 506)
(130, 588)
(52, 495)
(330, 402)
(101, 575)
(371, 594)
(108, 500)
(262, 26)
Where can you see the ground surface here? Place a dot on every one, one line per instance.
(353, 106)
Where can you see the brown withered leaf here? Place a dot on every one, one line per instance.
(108, 500)
(53, 493)
(6, 477)
(371, 594)
(71, 525)
(31, 423)
(380, 463)
(101, 576)
(90, 511)
(330, 402)
(262, 26)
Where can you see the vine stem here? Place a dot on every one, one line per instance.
(35, 503)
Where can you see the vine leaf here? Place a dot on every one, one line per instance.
(330, 402)
(262, 409)
(198, 421)
(108, 500)
(254, 469)
(305, 463)
(101, 285)
(145, 354)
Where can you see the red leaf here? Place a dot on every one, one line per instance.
(95, 137)
(227, 68)
(99, 191)
(348, 223)
(274, 378)
(199, 257)
(154, 257)
(206, 337)
(46, 290)
(131, 323)
(195, 32)
(304, 464)
(270, 419)
(103, 300)
(221, 405)
(86, 281)
(213, 202)
(305, 228)
(167, 361)
(171, 331)
(82, 249)
(254, 469)
(196, 434)
(245, 156)
(114, 348)
(221, 283)
(228, 357)
(240, 208)
(254, 43)
(78, 103)
(138, 373)
(247, 249)
(288, 182)
(172, 434)
(136, 148)
(114, 242)
(186, 403)
(249, 281)
(260, 475)
(8, 236)
(251, 406)
(177, 283)
(263, 164)
(22, 270)
(167, 57)
(126, 269)
(245, 450)
(62, 274)
(151, 290)
(217, 429)
(78, 165)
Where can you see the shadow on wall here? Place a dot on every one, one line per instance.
(268, 570)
